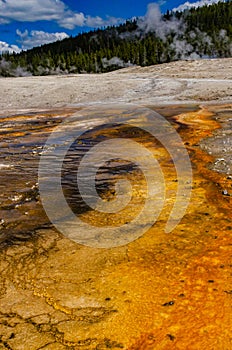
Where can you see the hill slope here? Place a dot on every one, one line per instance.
(196, 33)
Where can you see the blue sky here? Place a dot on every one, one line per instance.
(28, 23)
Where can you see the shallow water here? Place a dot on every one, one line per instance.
(21, 144)
(162, 291)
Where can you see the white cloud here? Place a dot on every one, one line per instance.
(31, 39)
(94, 21)
(72, 20)
(100, 22)
(49, 10)
(3, 21)
(5, 47)
(188, 5)
(37, 38)
(31, 10)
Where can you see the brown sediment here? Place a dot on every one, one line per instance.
(162, 291)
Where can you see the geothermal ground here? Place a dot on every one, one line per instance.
(161, 291)
(178, 82)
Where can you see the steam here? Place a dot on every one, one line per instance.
(115, 61)
(8, 69)
(173, 33)
(154, 22)
(176, 43)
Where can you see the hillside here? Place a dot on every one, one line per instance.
(204, 32)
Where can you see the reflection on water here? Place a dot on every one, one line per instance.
(21, 143)
(107, 174)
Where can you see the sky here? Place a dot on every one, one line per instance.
(28, 23)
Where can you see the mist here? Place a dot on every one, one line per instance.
(8, 69)
(115, 61)
(153, 22)
(151, 39)
(183, 48)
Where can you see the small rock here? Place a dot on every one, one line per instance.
(170, 303)
(225, 193)
(171, 337)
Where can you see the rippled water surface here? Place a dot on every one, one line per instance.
(21, 143)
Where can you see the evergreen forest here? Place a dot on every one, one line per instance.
(204, 32)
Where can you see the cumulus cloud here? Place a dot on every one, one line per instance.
(5, 47)
(100, 22)
(31, 10)
(49, 10)
(188, 5)
(38, 37)
(72, 20)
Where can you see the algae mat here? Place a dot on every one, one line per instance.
(159, 292)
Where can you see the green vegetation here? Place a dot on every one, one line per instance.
(195, 33)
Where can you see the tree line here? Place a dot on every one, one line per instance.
(195, 33)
